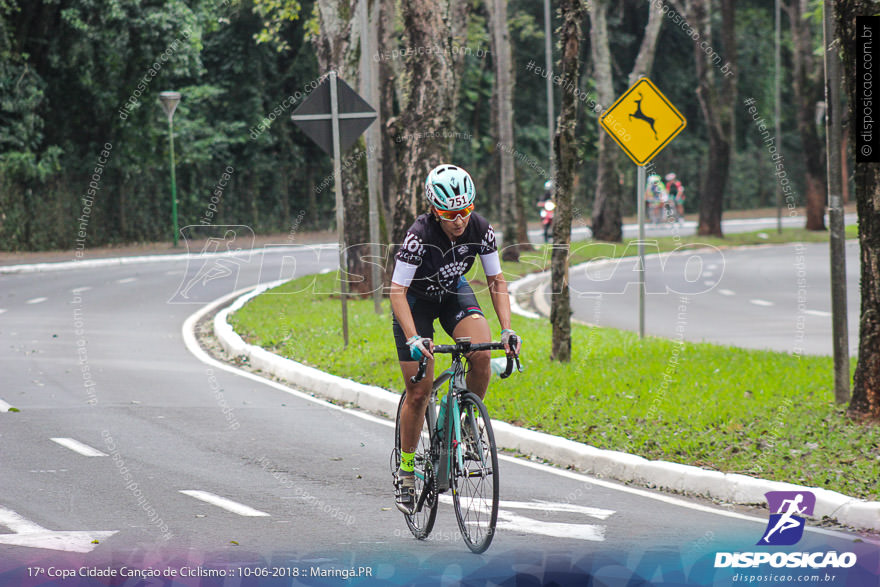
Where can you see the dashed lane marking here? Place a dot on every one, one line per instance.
(761, 302)
(36, 301)
(222, 502)
(79, 447)
(727, 292)
(126, 280)
(818, 313)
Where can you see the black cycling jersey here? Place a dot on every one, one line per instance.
(442, 263)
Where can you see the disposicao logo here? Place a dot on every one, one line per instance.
(785, 528)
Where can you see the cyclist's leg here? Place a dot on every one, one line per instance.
(412, 413)
(413, 410)
(462, 316)
(476, 327)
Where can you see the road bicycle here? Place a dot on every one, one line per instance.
(456, 451)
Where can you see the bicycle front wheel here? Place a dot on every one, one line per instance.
(475, 479)
(420, 522)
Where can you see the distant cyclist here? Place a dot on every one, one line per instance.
(428, 283)
(676, 194)
(656, 198)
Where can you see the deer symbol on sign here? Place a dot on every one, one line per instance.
(638, 114)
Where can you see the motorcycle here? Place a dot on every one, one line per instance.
(546, 213)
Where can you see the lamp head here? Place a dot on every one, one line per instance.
(169, 102)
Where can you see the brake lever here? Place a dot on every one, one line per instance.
(511, 358)
(423, 366)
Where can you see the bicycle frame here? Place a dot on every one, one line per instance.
(444, 449)
(449, 445)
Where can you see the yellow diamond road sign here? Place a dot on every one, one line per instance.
(642, 121)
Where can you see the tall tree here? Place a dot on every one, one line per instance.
(717, 102)
(808, 82)
(606, 218)
(503, 92)
(865, 403)
(565, 148)
(337, 46)
(430, 102)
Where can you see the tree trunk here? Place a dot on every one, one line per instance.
(565, 147)
(808, 77)
(504, 90)
(607, 221)
(430, 106)
(338, 48)
(717, 102)
(388, 81)
(865, 403)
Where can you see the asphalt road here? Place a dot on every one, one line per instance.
(96, 355)
(581, 230)
(775, 297)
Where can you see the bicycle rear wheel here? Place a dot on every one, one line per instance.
(421, 522)
(475, 478)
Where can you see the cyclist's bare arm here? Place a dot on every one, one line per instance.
(500, 299)
(401, 310)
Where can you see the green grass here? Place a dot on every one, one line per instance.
(759, 413)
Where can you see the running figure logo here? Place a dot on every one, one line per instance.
(786, 526)
(639, 115)
(216, 257)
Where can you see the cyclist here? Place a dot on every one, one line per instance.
(428, 283)
(676, 193)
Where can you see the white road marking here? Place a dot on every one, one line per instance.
(516, 523)
(36, 301)
(727, 292)
(4, 407)
(818, 313)
(222, 502)
(28, 534)
(192, 344)
(710, 282)
(511, 521)
(2, 310)
(761, 302)
(79, 447)
(126, 280)
(77, 290)
(549, 506)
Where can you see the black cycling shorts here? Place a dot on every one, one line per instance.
(450, 311)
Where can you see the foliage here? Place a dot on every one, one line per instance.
(69, 73)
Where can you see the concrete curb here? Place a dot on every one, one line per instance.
(727, 487)
(141, 259)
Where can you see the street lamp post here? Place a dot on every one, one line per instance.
(169, 102)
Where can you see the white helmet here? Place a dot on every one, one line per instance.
(448, 187)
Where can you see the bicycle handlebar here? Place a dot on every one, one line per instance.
(468, 347)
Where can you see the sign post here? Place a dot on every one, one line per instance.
(642, 121)
(334, 116)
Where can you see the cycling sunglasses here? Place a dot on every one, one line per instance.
(452, 215)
